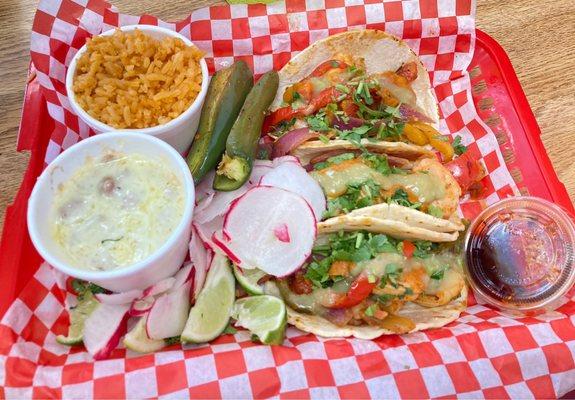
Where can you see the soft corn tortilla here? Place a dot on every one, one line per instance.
(409, 216)
(395, 228)
(380, 51)
(423, 317)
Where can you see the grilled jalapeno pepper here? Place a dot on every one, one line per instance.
(226, 95)
(236, 165)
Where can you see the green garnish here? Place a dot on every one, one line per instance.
(172, 340)
(423, 248)
(83, 287)
(400, 197)
(458, 147)
(356, 196)
(369, 311)
(438, 274)
(345, 246)
(324, 139)
(435, 211)
(230, 330)
(377, 162)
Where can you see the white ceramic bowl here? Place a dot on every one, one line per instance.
(178, 132)
(164, 262)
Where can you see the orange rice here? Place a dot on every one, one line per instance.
(131, 80)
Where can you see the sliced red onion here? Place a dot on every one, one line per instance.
(409, 113)
(292, 139)
(347, 124)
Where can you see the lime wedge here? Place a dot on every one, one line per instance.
(248, 279)
(264, 316)
(86, 305)
(211, 313)
(137, 339)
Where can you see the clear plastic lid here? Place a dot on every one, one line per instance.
(519, 254)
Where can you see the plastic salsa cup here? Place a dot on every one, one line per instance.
(519, 255)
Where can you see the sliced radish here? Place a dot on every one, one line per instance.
(219, 205)
(292, 177)
(223, 245)
(204, 203)
(263, 163)
(141, 306)
(199, 257)
(119, 298)
(181, 277)
(283, 159)
(282, 233)
(103, 329)
(205, 187)
(257, 173)
(169, 313)
(251, 222)
(206, 231)
(158, 288)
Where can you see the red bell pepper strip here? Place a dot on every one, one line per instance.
(321, 69)
(466, 171)
(326, 96)
(358, 291)
(408, 249)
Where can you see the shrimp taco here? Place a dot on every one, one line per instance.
(361, 86)
(354, 179)
(364, 284)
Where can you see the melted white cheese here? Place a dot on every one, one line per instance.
(116, 211)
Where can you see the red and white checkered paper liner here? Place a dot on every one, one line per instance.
(482, 354)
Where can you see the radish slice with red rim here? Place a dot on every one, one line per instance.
(169, 313)
(119, 298)
(158, 288)
(206, 231)
(219, 205)
(283, 159)
(141, 306)
(292, 177)
(181, 277)
(223, 246)
(251, 222)
(257, 173)
(205, 187)
(199, 257)
(103, 329)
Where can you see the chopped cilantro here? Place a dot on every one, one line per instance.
(172, 340)
(438, 274)
(369, 311)
(377, 162)
(385, 298)
(346, 246)
(324, 139)
(435, 211)
(230, 330)
(355, 135)
(371, 278)
(318, 122)
(295, 97)
(334, 160)
(392, 268)
(408, 291)
(458, 147)
(83, 287)
(283, 127)
(400, 197)
(390, 130)
(398, 171)
(342, 88)
(334, 64)
(423, 248)
(356, 196)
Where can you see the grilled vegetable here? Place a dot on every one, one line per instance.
(226, 95)
(242, 143)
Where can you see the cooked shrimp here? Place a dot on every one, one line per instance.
(441, 292)
(448, 204)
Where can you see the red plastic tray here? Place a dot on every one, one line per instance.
(497, 94)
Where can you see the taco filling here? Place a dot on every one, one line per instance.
(356, 180)
(338, 100)
(360, 278)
